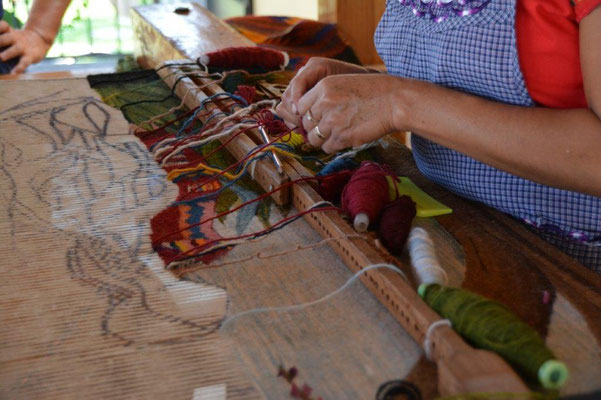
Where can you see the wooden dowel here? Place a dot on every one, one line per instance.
(240, 146)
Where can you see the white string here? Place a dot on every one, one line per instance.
(303, 306)
(353, 152)
(428, 341)
(426, 267)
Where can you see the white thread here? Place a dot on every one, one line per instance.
(314, 302)
(428, 341)
(426, 267)
(353, 152)
(252, 168)
(196, 143)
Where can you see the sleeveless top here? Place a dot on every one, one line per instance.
(470, 45)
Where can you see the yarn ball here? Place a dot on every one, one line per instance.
(367, 192)
(246, 58)
(330, 186)
(490, 325)
(395, 223)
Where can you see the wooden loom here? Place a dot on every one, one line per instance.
(461, 369)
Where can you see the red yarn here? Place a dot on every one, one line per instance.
(248, 93)
(331, 186)
(245, 58)
(367, 191)
(395, 223)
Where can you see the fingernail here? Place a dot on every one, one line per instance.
(294, 109)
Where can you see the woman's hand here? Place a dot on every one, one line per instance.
(350, 110)
(315, 70)
(27, 44)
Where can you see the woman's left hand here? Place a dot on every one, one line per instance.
(349, 110)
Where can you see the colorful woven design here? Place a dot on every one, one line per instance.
(195, 201)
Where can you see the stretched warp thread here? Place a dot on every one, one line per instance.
(488, 324)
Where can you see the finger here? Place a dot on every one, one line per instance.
(319, 134)
(310, 100)
(287, 115)
(24, 62)
(313, 139)
(4, 27)
(309, 122)
(332, 145)
(306, 80)
(6, 39)
(12, 52)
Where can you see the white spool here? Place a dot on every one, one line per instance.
(361, 222)
(426, 267)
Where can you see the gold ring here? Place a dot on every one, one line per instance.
(318, 133)
(311, 118)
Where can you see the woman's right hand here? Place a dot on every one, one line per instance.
(308, 76)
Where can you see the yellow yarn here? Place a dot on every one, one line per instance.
(292, 139)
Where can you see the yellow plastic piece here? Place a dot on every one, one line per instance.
(426, 206)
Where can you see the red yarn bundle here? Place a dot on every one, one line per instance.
(395, 223)
(331, 186)
(248, 93)
(246, 58)
(367, 191)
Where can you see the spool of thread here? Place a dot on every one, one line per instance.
(246, 58)
(424, 262)
(366, 194)
(395, 223)
(489, 325)
(330, 186)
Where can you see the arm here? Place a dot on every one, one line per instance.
(33, 41)
(559, 148)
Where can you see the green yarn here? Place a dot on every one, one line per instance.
(487, 324)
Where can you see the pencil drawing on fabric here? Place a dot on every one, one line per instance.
(78, 197)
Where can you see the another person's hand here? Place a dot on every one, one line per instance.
(27, 44)
(307, 77)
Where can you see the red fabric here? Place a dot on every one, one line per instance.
(549, 51)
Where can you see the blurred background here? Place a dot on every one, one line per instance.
(99, 32)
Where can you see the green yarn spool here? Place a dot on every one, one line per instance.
(489, 325)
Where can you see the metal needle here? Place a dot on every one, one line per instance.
(276, 160)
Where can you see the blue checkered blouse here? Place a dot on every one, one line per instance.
(471, 46)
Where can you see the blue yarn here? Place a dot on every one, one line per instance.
(338, 165)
